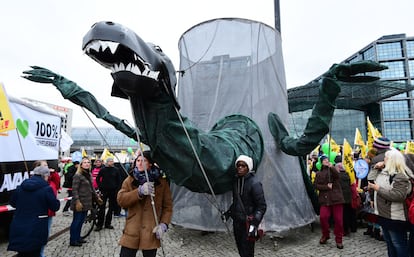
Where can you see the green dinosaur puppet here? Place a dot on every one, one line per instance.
(143, 74)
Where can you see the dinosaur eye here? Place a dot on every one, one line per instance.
(158, 48)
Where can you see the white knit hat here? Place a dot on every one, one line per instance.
(246, 159)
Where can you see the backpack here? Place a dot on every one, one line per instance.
(409, 202)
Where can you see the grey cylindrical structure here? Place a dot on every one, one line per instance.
(235, 66)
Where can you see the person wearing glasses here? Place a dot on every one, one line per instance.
(83, 196)
(249, 205)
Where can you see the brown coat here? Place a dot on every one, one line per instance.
(82, 190)
(140, 222)
(329, 196)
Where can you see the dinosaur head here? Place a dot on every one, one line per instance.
(138, 68)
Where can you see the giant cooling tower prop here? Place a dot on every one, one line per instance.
(232, 80)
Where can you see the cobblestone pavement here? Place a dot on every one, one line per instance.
(180, 242)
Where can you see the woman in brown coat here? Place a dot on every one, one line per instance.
(83, 196)
(141, 231)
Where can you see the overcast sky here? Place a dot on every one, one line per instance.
(48, 33)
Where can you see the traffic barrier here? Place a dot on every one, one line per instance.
(8, 207)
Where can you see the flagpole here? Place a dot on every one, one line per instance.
(21, 149)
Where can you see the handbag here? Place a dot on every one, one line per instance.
(252, 236)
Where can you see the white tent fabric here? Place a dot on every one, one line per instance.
(235, 66)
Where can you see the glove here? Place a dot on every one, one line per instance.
(78, 206)
(160, 230)
(252, 231)
(99, 200)
(146, 189)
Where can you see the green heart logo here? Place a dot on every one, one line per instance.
(23, 127)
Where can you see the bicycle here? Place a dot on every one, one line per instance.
(90, 220)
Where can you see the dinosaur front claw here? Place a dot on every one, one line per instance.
(346, 71)
(322, 113)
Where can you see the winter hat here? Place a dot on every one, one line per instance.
(339, 166)
(323, 157)
(109, 159)
(382, 143)
(42, 171)
(246, 159)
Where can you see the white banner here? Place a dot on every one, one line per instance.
(36, 136)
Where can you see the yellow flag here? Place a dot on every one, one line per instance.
(348, 161)
(409, 148)
(377, 133)
(334, 146)
(359, 141)
(6, 119)
(84, 154)
(106, 154)
(358, 138)
(371, 132)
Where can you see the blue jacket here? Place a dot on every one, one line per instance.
(29, 227)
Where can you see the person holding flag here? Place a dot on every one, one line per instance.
(331, 201)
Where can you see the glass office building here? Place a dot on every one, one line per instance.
(96, 140)
(391, 111)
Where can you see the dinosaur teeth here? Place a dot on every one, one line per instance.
(111, 45)
(95, 45)
(134, 69)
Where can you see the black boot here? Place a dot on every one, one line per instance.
(378, 235)
(369, 231)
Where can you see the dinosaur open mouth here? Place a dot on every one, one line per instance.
(117, 58)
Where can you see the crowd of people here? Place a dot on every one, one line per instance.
(379, 200)
(143, 192)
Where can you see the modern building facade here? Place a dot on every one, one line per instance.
(391, 111)
(396, 52)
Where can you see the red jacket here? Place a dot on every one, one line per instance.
(54, 182)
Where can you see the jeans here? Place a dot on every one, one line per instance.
(49, 225)
(411, 240)
(397, 242)
(76, 226)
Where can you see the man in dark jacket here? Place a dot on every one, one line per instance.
(248, 204)
(109, 181)
(68, 174)
(29, 227)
